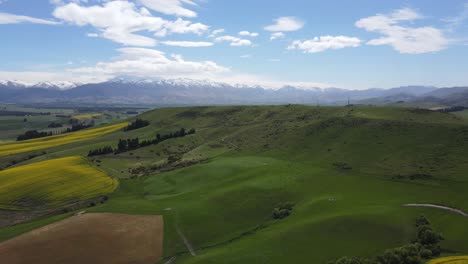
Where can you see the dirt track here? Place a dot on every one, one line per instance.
(454, 210)
(91, 239)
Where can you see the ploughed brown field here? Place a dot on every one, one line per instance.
(91, 239)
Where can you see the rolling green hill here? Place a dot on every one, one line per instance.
(347, 170)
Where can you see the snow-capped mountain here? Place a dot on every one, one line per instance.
(184, 91)
(55, 85)
(14, 84)
(185, 82)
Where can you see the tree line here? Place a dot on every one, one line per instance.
(425, 246)
(31, 134)
(139, 123)
(125, 145)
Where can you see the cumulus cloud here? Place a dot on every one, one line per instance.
(277, 35)
(170, 7)
(404, 39)
(92, 35)
(187, 44)
(319, 44)
(143, 62)
(234, 41)
(6, 18)
(248, 34)
(285, 24)
(121, 22)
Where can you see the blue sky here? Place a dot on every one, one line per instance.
(349, 44)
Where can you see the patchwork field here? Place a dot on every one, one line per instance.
(52, 183)
(58, 140)
(91, 239)
(348, 171)
(450, 260)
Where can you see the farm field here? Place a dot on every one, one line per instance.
(89, 238)
(52, 183)
(450, 260)
(87, 116)
(58, 140)
(347, 170)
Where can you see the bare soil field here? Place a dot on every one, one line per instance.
(89, 238)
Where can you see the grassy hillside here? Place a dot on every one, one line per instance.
(348, 171)
(58, 140)
(52, 183)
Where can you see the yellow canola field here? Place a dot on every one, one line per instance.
(450, 260)
(52, 183)
(58, 140)
(86, 116)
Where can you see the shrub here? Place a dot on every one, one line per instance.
(282, 210)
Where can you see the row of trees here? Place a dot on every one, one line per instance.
(125, 145)
(100, 151)
(30, 134)
(424, 246)
(139, 123)
(78, 127)
(54, 125)
(33, 134)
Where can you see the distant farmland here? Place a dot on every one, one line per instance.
(52, 183)
(87, 116)
(58, 140)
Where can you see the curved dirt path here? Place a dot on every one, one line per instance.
(453, 210)
(186, 242)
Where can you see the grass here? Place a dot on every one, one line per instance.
(255, 157)
(58, 140)
(450, 260)
(52, 183)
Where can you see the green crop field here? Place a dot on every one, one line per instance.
(52, 183)
(58, 140)
(349, 171)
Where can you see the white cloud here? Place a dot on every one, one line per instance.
(274, 60)
(248, 34)
(33, 77)
(285, 24)
(187, 44)
(142, 62)
(277, 35)
(319, 44)
(121, 22)
(171, 7)
(234, 41)
(216, 32)
(6, 18)
(246, 56)
(404, 39)
(92, 35)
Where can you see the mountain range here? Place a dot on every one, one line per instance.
(205, 92)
